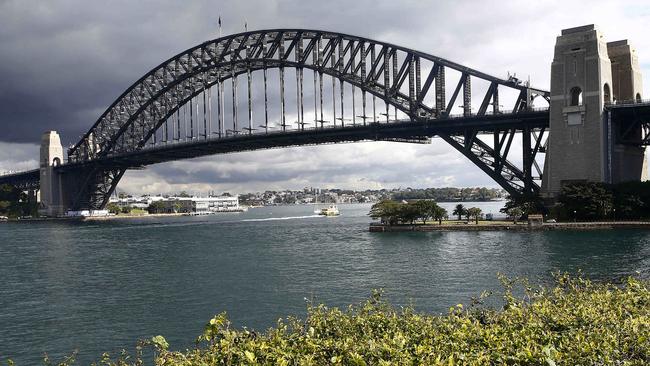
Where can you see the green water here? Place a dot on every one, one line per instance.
(99, 286)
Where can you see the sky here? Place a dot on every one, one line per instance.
(63, 62)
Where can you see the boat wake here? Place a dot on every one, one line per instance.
(283, 218)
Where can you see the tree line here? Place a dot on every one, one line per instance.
(593, 201)
(588, 201)
(394, 213)
(448, 194)
(16, 203)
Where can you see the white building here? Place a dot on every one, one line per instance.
(193, 204)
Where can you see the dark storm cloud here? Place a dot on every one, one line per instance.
(63, 62)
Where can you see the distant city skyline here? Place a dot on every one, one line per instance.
(64, 63)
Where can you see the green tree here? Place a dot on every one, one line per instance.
(586, 200)
(156, 207)
(113, 208)
(408, 212)
(515, 213)
(528, 204)
(459, 211)
(15, 203)
(439, 213)
(386, 211)
(426, 209)
(474, 212)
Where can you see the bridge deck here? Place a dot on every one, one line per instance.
(316, 136)
(313, 136)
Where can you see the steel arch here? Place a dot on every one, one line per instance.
(156, 95)
(393, 74)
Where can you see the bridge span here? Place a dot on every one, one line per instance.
(305, 87)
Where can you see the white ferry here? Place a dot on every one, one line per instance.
(332, 210)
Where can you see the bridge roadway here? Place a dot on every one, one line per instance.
(403, 130)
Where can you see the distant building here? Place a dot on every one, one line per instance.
(200, 205)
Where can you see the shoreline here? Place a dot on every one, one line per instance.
(581, 226)
(111, 217)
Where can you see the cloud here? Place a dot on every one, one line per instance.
(351, 166)
(63, 63)
(18, 157)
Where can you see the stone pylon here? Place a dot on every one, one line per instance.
(582, 143)
(51, 190)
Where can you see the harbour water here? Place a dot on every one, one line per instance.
(99, 286)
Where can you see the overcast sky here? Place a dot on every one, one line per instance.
(62, 63)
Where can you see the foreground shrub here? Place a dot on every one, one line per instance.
(573, 322)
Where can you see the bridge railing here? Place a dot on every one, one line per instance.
(10, 173)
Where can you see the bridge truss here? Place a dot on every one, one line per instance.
(305, 87)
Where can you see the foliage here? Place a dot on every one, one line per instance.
(475, 212)
(113, 208)
(631, 200)
(459, 211)
(439, 214)
(386, 211)
(573, 322)
(590, 200)
(16, 203)
(157, 207)
(448, 194)
(393, 213)
(586, 200)
(526, 204)
(515, 213)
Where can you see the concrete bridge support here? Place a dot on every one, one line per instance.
(50, 181)
(628, 159)
(583, 143)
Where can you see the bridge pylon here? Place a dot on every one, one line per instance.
(629, 162)
(51, 187)
(583, 144)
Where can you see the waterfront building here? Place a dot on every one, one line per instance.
(172, 204)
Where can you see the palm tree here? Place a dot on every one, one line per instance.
(459, 211)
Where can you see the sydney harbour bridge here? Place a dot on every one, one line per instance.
(294, 87)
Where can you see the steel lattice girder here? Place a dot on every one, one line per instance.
(131, 120)
(462, 134)
(393, 74)
(28, 180)
(630, 123)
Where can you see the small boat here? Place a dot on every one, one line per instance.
(332, 210)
